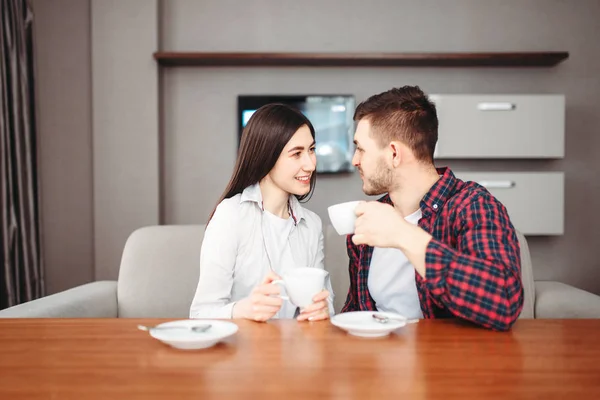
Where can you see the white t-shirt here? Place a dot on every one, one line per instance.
(391, 279)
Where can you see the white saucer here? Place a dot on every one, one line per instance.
(189, 340)
(362, 323)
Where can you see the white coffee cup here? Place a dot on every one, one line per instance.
(343, 217)
(302, 284)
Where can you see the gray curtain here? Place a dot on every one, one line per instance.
(21, 269)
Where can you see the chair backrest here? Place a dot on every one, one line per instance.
(336, 262)
(159, 271)
(527, 279)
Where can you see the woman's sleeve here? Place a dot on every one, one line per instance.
(217, 263)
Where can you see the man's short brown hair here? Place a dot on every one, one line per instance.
(404, 114)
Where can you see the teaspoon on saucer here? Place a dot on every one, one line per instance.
(196, 328)
(383, 319)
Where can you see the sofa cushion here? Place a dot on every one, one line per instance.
(159, 271)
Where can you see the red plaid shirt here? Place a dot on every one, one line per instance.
(473, 264)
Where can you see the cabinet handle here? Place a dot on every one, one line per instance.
(497, 184)
(496, 106)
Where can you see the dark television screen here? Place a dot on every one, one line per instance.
(331, 116)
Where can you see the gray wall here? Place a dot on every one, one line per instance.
(64, 123)
(125, 125)
(198, 132)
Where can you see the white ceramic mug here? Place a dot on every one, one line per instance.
(343, 217)
(302, 284)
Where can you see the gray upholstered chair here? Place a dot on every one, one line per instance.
(159, 273)
(157, 278)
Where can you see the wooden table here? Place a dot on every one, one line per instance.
(110, 358)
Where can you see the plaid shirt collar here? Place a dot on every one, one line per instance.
(437, 196)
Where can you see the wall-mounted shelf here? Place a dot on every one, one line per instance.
(522, 59)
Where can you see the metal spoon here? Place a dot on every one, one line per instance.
(197, 328)
(383, 319)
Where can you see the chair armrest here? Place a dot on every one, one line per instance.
(92, 300)
(558, 300)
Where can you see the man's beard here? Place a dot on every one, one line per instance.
(380, 182)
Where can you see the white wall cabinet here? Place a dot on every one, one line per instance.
(500, 126)
(534, 200)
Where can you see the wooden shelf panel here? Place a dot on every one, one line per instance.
(523, 59)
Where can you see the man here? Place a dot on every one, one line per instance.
(433, 246)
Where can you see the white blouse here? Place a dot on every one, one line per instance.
(240, 247)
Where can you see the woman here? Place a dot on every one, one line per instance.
(259, 230)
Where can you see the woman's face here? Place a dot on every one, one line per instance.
(296, 163)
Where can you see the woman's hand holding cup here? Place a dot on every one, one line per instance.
(263, 302)
(318, 310)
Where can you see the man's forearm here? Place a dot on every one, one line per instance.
(487, 292)
(414, 246)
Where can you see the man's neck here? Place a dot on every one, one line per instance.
(411, 189)
(275, 200)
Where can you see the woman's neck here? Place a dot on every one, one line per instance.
(274, 199)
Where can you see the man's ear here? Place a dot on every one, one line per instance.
(396, 153)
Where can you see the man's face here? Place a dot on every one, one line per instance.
(370, 161)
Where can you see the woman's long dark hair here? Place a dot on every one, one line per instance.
(263, 139)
